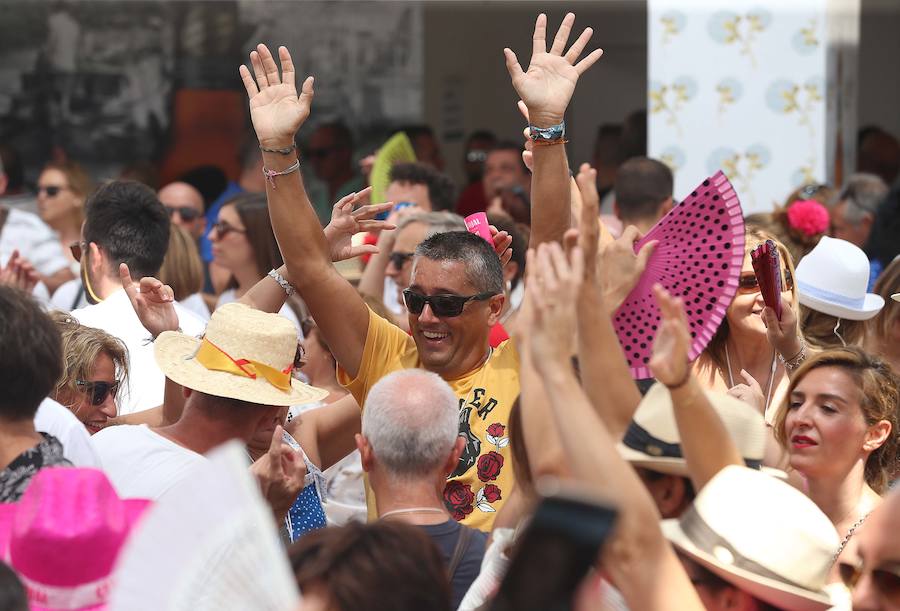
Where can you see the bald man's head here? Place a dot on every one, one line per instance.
(185, 206)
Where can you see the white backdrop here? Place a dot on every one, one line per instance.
(740, 86)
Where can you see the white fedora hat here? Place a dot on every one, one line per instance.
(652, 440)
(761, 535)
(245, 354)
(832, 279)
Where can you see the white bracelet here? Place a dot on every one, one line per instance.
(274, 275)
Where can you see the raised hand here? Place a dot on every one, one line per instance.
(502, 243)
(669, 362)
(276, 110)
(621, 268)
(19, 273)
(782, 334)
(588, 221)
(153, 302)
(555, 284)
(548, 85)
(346, 222)
(281, 473)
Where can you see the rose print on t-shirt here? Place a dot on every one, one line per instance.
(458, 498)
(495, 436)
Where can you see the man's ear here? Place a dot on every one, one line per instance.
(496, 304)
(367, 458)
(453, 459)
(97, 261)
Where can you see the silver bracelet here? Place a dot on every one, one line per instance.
(795, 361)
(274, 275)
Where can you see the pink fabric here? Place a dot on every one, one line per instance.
(698, 258)
(66, 531)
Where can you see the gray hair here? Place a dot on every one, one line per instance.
(863, 193)
(411, 420)
(436, 222)
(483, 268)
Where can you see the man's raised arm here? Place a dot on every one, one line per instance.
(277, 112)
(546, 88)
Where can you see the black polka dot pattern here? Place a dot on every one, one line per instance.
(699, 258)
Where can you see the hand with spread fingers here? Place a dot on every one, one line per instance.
(281, 473)
(276, 110)
(19, 273)
(621, 267)
(555, 285)
(153, 302)
(547, 86)
(669, 362)
(347, 222)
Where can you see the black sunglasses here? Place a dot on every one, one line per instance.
(186, 213)
(886, 581)
(399, 259)
(50, 190)
(223, 229)
(98, 390)
(446, 306)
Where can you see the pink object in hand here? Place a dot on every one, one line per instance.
(478, 224)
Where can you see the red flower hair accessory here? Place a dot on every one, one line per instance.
(809, 217)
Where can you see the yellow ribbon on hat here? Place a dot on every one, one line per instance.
(214, 358)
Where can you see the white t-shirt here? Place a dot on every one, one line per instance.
(140, 463)
(69, 296)
(229, 296)
(146, 382)
(60, 422)
(34, 240)
(195, 304)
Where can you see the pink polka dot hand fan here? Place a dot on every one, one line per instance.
(699, 258)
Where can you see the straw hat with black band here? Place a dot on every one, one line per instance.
(652, 440)
(245, 354)
(761, 535)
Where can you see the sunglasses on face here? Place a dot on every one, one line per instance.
(885, 580)
(399, 259)
(98, 391)
(77, 249)
(446, 306)
(223, 229)
(50, 190)
(749, 284)
(186, 213)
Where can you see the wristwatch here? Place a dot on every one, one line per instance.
(548, 134)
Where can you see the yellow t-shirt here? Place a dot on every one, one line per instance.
(478, 487)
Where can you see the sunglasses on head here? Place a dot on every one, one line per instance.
(50, 190)
(808, 191)
(98, 391)
(446, 306)
(749, 284)
(399, 259)
(186, 213)
(223, 229)
(885, 580)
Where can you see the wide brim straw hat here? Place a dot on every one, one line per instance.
(76, 515)
(652, 440)
(245, 354)
(762, 536)
(832, 279)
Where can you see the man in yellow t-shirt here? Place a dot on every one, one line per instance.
(455, 271)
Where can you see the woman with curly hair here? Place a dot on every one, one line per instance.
(838, 428)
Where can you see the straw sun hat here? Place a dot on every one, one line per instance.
(652, 440)
(245, 354)
(832, 279)
(761, 535)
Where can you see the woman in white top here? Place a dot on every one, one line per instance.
(243, 243)
(62, 190)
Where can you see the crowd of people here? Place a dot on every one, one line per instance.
(435, 414)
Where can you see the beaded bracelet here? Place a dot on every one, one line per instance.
(281, 151)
